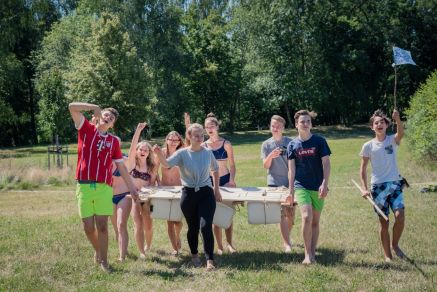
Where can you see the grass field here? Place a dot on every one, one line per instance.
(42, 245)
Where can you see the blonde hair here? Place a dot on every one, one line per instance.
(150, 161)
(278, 119)
(194, 126)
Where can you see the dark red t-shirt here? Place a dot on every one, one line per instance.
(95, 153)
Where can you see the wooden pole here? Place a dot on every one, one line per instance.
(394, 91)
(372, 203)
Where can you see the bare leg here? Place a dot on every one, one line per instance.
(287, 222)
(178, 229)
(123, 211)
(171, 226)
(229, 233)
(102, 237)
(148, 225)
(307, 218)
(91, 233)
(218, 238)
(114, 221)
(385, 238)
(315, 233)
(138, 228)
(398, 228)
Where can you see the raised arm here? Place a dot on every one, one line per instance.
(158, 152)
(187, 122)
(363, 176)
(76, 109)
(399, 127)
(323, 189)
(133, 146)
(231, 160)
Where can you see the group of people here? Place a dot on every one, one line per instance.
(108, 181)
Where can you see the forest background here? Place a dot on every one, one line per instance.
(243, 60)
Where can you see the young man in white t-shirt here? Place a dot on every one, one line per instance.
(386, 182)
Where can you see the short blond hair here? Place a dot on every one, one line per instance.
(194, 126)
(278, 119)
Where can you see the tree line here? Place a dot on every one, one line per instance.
(243, 60)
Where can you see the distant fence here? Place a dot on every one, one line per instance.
(57, 153)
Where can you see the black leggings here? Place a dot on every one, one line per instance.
(199, 208)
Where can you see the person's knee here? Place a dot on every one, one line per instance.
(89, 228)
(307, 218)
(148, 226)
(102, 227)
(384, 226)
(205, 225)
(400, 216)
(121, 225)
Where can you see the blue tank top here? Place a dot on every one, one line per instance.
(221, 153)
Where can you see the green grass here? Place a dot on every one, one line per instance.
(42, 245)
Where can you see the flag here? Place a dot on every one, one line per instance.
(402, 57)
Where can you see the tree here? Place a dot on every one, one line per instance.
(106, 70)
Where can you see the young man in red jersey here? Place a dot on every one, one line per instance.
(97, 149)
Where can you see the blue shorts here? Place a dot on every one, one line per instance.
(223, 179)
(117, 198)
(388, 195)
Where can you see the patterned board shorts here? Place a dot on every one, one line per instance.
(388, 195)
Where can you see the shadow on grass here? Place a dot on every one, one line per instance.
(166, 274)
(268, 260)
(413, 263)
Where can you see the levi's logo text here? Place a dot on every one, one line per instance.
(306, 151)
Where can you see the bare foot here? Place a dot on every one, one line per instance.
(307, 261)
(398, 251)
(196, 261)
(210, 265)
(105, 267)
(287, 248)
(388, 260)
(231, 249)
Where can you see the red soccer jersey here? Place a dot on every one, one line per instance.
(95, 153)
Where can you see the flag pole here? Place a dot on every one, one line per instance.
(394, 91)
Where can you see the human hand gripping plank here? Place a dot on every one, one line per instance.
(372, 202)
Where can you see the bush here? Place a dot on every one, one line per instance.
(422, 121)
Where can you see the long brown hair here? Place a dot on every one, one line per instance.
(181, 142)
(150, 161)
